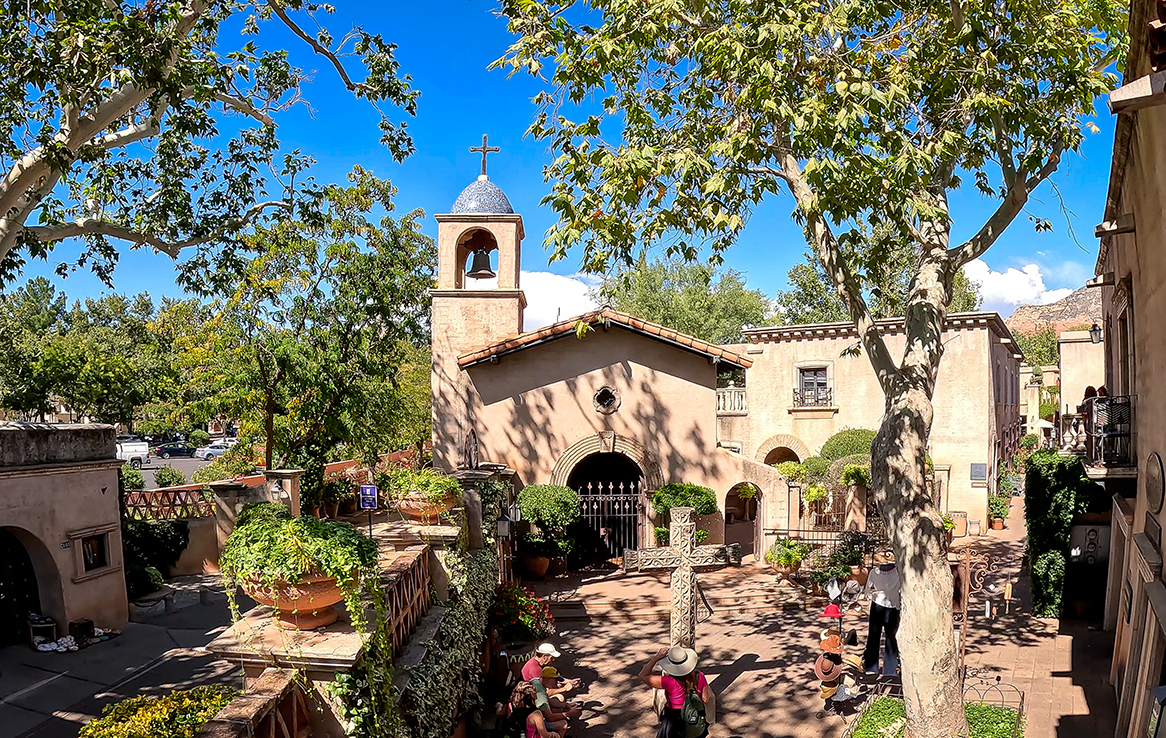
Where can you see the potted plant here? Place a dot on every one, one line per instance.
(550, 510)
(785, 556)
(334, 493)
(852, 549)
(421, 495)
(948, 529)
(301, 567)
(519, 616)
(819, 577)
(997, 511)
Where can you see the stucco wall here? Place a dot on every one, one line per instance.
(1082, 365)
(25, 444)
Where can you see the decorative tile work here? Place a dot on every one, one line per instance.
(482, 196)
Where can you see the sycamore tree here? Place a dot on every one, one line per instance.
(305, 350)
(671, 121)
(136, 123)
(697, 299)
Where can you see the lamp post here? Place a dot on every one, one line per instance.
(1095, 333)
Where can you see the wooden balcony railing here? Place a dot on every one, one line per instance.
(162, 504)
(273, 707)
(405, 580)
(731, 401)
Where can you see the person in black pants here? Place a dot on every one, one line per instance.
(882, 587)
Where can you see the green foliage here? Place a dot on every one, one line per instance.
(698, 299)
(552, 547)
(131, 478)
(997, 506)
(519, 615)
(141, 581)
(1040, 348)
(792, 470)
(168, 476)
(1048, 583)
(816, 469)
(852, 549)
(177, 715)
(828, 571)
(1029, 441)
(948, 522)
(550, 507)
(199, 438)
(180, 150)
(429, 484)
(886, 717)
(265, 512)
(156, 543)
(268, 549)
(227, 466)
(814, 493)
(700, 535)
(662, 536)
(338, 490)
(680, 494)
(848, 443)
(787, 552)
(856, 475)
(746, 491)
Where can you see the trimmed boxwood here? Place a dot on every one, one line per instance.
(848, 443)
(679, 494)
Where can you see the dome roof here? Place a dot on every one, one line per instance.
(482, 196)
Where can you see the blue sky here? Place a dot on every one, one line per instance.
(446, 45)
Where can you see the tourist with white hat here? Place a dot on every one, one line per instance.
(544, 654)
(689, 706)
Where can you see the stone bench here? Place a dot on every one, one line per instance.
(165, 594)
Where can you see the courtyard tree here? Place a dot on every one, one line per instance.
(672, 121)
(1040, 347)
(305, 350)
(134, 123)
(697, 299)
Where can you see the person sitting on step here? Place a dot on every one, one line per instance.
(543, 656)
(554, 708)
(526, 720)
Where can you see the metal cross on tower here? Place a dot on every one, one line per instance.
(485, 150)
(684, 558)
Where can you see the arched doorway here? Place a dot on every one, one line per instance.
(19, 593)
(610, 489)
(742, 517)
(779, 455)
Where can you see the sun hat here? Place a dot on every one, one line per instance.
(827, 692)
(546, 649)
(826, 669)
(827, 632)
(832, 644)
(679, 661)
(550, 672)
(832, 611)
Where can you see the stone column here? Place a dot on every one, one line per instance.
(230, 497)
(289, 479)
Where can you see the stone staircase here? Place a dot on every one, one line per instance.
(770, 598)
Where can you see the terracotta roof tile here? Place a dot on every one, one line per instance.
(564, 327)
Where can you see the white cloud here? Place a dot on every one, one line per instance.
(1003, 291)
(550, 297)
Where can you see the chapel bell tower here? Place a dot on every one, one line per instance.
(477, 300)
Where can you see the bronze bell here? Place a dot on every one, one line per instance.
(480, 266)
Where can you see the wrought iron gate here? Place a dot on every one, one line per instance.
(612, 511)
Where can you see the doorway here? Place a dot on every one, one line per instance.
(742, 520)
(610, 488)
(19, 594)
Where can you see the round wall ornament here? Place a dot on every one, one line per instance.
(607, 400)
(1154, 483)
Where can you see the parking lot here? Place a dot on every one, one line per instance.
(184, 465)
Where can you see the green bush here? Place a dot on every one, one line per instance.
(886, 717)
(702, 500)
(997, 506)
(787, 552)
(155, 543)
(948, 522)
(199, 438)
(825, 573)
(663, 536)
(816, 469)
(853, 548)
(177, 715)
(1048, 584)
(848, 443)
(856, 475)
(339, 490)
(168, 476)
(700, 536)
(1030, 441)
(132, 479)
(262, 511)
(746, 491)
(550, 507)
(792, 470)
(222, 468)
(141, 581)
(552, 547)
(815, 493)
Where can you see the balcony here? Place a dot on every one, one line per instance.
(815, 397)
(731, 401)
(1103, 436)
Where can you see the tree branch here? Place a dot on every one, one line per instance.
(244, 106)
(318, 48)
(1004, 149)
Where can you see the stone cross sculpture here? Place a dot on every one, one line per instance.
(684, 558)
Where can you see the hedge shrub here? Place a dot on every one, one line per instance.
(848, 443)
(132, 479)
(816, 468)
(177, 715)
(1048, 584)
(550, 507)
(199, 438)
(141, 581)
(168, 476)
(702, 499)
(792, 470)
(156, 543)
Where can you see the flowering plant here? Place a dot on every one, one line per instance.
(519, 615)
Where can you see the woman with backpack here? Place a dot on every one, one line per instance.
(526, 720)
(687, 697)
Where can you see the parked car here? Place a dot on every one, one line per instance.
(228, 442)
(135, 453)
(174, 449)
(211, 452)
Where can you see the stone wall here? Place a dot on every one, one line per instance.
(34, 444)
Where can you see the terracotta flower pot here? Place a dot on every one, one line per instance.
(859, 574)
(304, 606)
(557, 566)
(536, 566)
(786, 572)
(997, 523)
(423, 510)
(333, 509)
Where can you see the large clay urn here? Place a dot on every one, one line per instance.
(423, 510)
(304, 606)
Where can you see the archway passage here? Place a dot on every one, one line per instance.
(19, 594)
(609, 487)
(781, 454)
(742, 505)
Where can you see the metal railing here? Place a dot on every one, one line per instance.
(1102, 433)
(817, 397)
(731, 401)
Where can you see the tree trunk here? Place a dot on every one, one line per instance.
(931, 682)
(268, 444)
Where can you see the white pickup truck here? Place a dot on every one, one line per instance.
(136, 453)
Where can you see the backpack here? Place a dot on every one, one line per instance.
(692, 715)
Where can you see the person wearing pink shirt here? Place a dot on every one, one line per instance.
(678, 679)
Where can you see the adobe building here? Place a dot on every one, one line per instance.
(1082, 365)
(1034, 386)
(1129, 441)
(804, 385)
(60, 528)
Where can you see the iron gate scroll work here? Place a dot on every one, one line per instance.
(612, 510)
